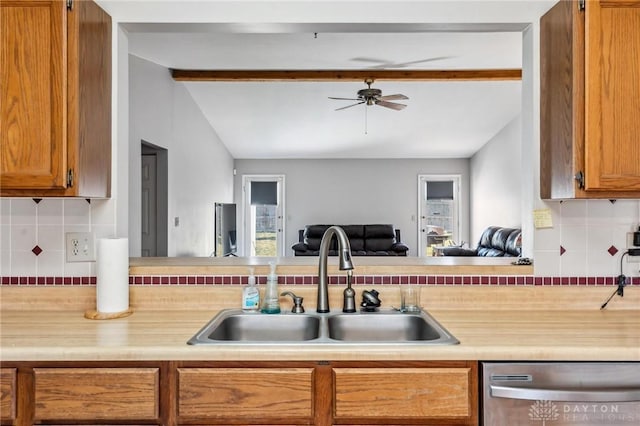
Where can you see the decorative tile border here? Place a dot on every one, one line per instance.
(337, 280)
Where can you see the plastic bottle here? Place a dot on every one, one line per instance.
(271, 302)
(250, 294)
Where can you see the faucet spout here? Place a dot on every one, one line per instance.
(344, 263)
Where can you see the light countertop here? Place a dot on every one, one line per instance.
(517, 328)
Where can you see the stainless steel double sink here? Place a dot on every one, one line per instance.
(390, 327)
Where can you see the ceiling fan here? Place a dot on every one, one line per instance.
(373, 96)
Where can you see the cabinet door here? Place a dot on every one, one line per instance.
(248, 395)
(96, 393)
(612, 99)
(405, 395)
(33, 101)
(8, 394)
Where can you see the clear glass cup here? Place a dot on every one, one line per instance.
(409, 298)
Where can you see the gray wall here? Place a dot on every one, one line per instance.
(355, 191)
(496, 190)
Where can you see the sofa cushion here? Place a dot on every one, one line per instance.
(379, 231)
(379, 238)
(365, 240)
(514, 243)
(313, 235)
(486, 239)
(495, 241)
(458, 251)
(355, 234)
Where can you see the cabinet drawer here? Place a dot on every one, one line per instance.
(409, 393)
(245, 393)
(96, 393)
(7, 393)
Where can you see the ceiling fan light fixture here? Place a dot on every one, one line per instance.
(372, 96)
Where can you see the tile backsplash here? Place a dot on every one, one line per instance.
(587, 239)
(32, 234)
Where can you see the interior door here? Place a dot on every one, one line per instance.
(149, 203)
(264, 215)
(439, 212)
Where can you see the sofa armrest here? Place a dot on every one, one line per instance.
(458, 251)
(299, 247)
(399, 247)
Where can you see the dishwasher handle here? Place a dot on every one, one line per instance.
(603, 394)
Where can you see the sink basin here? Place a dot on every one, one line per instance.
(237, 326)
(385, 327)
(381, 327)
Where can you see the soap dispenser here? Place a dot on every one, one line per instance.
(271, 303)
(250, 294)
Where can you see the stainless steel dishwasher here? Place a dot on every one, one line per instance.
(557, 394)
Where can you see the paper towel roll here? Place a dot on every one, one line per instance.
(112, 275)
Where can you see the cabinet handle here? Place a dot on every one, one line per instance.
(584, 395)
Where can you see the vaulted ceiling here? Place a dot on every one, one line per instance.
(296, 119)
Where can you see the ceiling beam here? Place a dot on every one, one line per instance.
(346, 75)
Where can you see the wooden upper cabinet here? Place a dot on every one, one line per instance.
(55, 99)
(590, 100)
(612, 72)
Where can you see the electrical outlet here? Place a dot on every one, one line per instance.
(80, 247)
(631, 259)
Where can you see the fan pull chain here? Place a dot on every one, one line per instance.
(366, 108)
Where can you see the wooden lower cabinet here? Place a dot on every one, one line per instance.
(96, 393)
(423, 393)
(270, 395)
(89, 393)
(328, 393)
(319, 393)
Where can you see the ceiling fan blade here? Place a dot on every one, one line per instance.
(391, 105)
(384, 64)
(349, 106)
(421, 61)
(345, 99)
(380, 62)
(395, 97)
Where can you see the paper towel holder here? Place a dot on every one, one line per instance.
(95, 315)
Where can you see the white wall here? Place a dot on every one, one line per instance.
(162, 112)
(150, 119)
(495, 173)
(355, 191)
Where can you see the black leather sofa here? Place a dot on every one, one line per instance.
(495, 241)
(365, 240)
